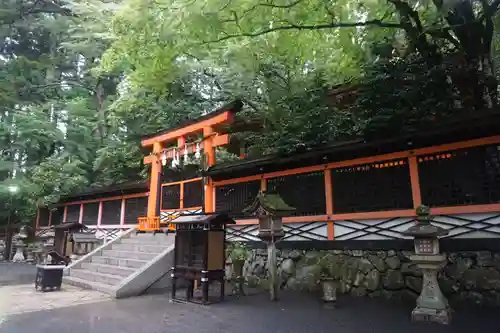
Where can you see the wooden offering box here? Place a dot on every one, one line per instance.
(200, 254)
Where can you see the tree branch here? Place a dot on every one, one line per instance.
(445, 34)
(38, 7)
(377, 23)
(59, 84)
(492, 9)
(288, 6)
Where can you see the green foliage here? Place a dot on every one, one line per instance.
(237, 251)
(80, 83)
(67, 174)
(118, 162)
(403, 95)
(330, 265)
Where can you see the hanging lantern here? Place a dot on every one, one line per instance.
(185, 155)
(164, 158)
(197, 154)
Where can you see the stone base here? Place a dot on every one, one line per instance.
(437, 316)
(19, 256)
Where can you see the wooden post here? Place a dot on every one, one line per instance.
(329, 203)
(122, 212)
(99, 214)
(155, 182)
(273, 270)
(181, 142)
(37, 223)
(80, 217)
(210, 160)
(415, 182)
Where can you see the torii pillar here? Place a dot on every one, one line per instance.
(207, 126)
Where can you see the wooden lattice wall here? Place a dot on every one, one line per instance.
(375, 197)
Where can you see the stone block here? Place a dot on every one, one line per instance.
(408, 268)
(393, 262)
(414, 283)
(358, 291)
(364, 265)
(295, 255)
(358, 279)
(437, 316)
(484, 259)
(287, 267)
(484, 278)
(372, 280)
(393, 280)
(378, 262)
(307, 276)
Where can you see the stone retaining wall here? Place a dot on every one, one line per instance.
(469, 276)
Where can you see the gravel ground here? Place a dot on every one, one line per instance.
(294, 313)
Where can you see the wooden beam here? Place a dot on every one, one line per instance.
(263, 184)
(181, 142)
(122, 213)
(209, 150)
(127, 196)
(148, 159)
(37, 223)
(414, 180)
(329, 202)
(99, 214)
(80, 216)
(181, 199)
(220, 140)
(155, 180)
(65, 214)
(182, 181)
(225, 117)
(471, 209)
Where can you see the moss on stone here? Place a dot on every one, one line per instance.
(272, 203)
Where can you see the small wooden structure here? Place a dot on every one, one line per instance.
(62, 233)
(270, 209)
(83, 243)
(200, 254)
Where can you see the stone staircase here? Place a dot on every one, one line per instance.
(125, 267)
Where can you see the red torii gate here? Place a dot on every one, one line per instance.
(206, 126)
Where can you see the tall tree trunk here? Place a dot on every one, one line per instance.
(101, 112)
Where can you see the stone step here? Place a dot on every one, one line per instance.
(108, 269)
(85, 284)
(109, 279)
(122, 262)
(157, 239)
(129, 254)
(139, 247)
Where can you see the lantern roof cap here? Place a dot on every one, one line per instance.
(424, 228)
(270, 203)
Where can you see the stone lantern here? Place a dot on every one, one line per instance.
(20, 244)
(432, 305)
(2, 249)
(270, 209)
